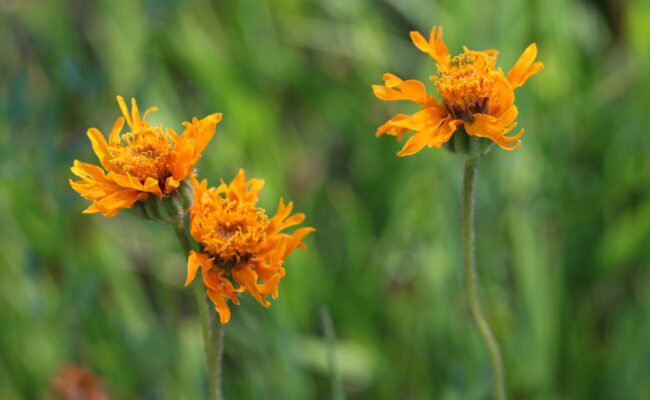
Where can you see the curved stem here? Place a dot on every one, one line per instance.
(469, 272)
(212, 329)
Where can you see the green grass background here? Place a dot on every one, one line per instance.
(563, 223)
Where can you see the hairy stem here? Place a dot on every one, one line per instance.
(212, 329)
(469, 271)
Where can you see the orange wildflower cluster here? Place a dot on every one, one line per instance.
(239, 241)
(142, 162)
(475, 95)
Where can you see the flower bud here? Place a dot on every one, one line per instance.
(170, 209)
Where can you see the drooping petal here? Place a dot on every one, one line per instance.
(495, 129)
(220, 305)
(194, 261)
(525, 67)
(247, 278)
(270, 286)
(416, 142)
(444, 132)
(219, 296)
(389, 127)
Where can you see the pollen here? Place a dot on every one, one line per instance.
(467, 85)
(237, 229)
(142, 154)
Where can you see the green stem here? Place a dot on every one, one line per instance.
(469, 179)
(212, 329)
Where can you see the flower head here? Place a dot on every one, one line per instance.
(146, 161)
(240, 242)
(474, 94)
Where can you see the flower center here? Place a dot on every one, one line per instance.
(467, 84)
(146, 153)
(238, 228)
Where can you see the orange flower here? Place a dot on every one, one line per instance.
(475, 95)
(143, 162)
(240, 242)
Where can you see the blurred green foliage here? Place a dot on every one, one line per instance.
(563, 222)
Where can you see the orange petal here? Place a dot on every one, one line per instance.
(206, 133)
(505, 96)
(397, 89)
(444, 132)
(135, 113)
(241, 189)
(295, 241)
(194, 261)
(114, 137)
(270, 286)
(125, 110)
(524, 68)
(389, 128)
(171, 184)
(435, 47)
(172, 134)
(419, 41)
(253, 188)
(149, 111)
(215, 279)
(416, 143)
(247, 278)
(99, 146)
(183, 162)
(90, 172)
(150, 184)
(427, 118)
(441, 53)
(110, 205)
(495, 129)
(94, 184)
(220, 304)
(281, 220)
